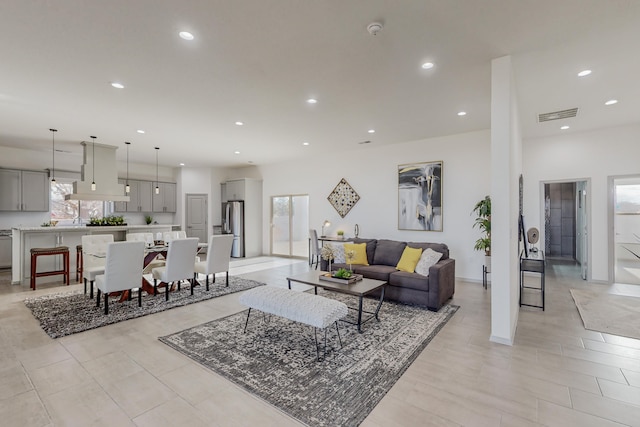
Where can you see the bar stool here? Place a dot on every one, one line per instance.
(58, 250)
(79, 261)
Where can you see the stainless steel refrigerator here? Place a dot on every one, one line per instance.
(233, 223)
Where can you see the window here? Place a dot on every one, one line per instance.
(71, 210)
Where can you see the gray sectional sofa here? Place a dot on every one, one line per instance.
(383, 255)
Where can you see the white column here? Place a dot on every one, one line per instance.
(506, 166)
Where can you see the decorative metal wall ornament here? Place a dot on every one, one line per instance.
(343, 198)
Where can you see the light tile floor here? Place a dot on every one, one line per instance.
(557, 373)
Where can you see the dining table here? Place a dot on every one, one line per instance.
(151, 252)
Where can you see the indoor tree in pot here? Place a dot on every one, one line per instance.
(483, 222)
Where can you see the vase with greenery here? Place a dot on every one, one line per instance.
(148, 219)
(483, 222)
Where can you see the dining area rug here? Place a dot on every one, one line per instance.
(62, 314)
(276, 361)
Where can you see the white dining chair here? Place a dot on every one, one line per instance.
(122, 272)
(218, 257)
(147, 238)
(168, 236)
(94, 249)
(179, 265)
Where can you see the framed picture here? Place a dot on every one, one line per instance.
(420, 196)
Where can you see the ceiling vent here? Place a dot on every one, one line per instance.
(364, 142)
(557, 115)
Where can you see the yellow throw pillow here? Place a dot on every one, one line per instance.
(359, 253)
(409, 259)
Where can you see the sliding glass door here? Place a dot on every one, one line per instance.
(290, 226)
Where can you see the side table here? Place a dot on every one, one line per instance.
(485, 273)
(533, 263)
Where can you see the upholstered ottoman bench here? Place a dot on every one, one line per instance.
(310, 309)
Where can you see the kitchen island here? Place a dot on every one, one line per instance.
(25, 238)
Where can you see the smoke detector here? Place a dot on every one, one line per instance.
(374, 27)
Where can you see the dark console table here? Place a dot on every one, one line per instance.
(533, 262)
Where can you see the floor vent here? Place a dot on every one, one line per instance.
(557, 115)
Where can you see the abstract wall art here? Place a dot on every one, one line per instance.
(420, 196)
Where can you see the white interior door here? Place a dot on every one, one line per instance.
(581, 227)
(196, 213)
(626, 230)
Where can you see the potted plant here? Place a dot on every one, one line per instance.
(340, 234)
(483, 222)
(148, 219)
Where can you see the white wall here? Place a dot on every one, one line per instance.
(578, 156)
(373, 173)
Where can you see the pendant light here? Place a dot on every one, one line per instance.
(157, 188)
(93, 169)
(127, 188)
(53, 155)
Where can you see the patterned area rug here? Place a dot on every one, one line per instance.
(609, 313)
(67, 313)
(276, 359)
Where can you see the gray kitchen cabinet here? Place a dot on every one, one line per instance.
(165, 200)
(10, 188)
(139, 197)
(145, 196)
(121, 206)
(24, 190)
(235, 189)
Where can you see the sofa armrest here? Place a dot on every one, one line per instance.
(442, 282)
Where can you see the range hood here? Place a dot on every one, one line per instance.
(105, 175)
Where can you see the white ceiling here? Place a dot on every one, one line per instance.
(258, 61)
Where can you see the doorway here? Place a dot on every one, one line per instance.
(290, 226)
(566, 225)
(626, 230)
(196, 214)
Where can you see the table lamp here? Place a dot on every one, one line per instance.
(325, 224)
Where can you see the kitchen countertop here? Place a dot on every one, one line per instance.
(92, 228)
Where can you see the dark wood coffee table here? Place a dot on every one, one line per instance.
(360, 289)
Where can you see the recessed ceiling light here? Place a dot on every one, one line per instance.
(427, 65)
(117, 85)
(584, 73)
(312, 101)
(239, 123)
(462, 113)
(565, 127)
(140, 131)
(236, 152)
(305, 143)
(181, 164)
(186, 35)
(371, 131)
(611, 102)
